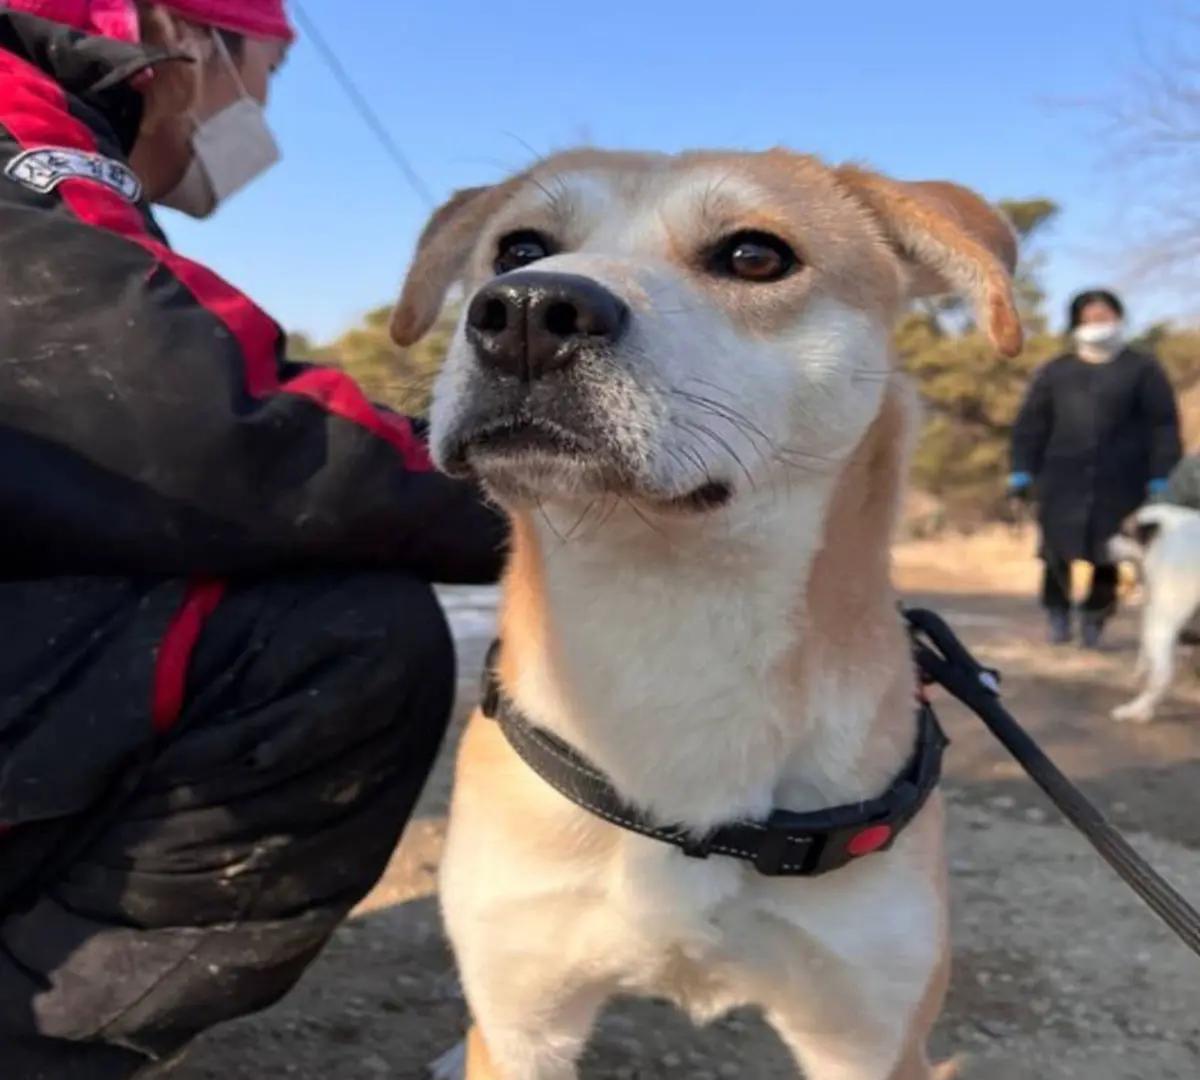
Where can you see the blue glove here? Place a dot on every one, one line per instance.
(1157, 487)
(1019, 483)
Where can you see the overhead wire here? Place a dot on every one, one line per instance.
(361, 105)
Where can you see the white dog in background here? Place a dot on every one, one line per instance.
(1165, 542)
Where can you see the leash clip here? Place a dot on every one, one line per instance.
(936, 645)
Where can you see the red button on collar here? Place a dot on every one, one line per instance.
(870, 839)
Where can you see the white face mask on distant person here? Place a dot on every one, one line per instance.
(228, 151)
(1104, 335)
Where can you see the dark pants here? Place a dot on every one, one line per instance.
(1056, 587)
(313, 712)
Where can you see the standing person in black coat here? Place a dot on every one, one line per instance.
(1097, 434)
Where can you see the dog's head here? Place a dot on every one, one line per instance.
(1136, 534)
(678, 330)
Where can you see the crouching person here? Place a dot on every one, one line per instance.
(225, 675)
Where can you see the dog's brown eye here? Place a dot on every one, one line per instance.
(754, 256)
(520, 249)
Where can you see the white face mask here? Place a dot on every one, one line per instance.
(1098, 335)
(228, 151)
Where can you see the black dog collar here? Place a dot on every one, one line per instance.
(786, 844)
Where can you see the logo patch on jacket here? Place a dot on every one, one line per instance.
(43, 169)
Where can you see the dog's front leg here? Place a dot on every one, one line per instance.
(849, 1033)
(479, 1063)
(519, 1037)
(855, 1052)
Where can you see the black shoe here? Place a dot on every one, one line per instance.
(1060, 626)
(1092, 630)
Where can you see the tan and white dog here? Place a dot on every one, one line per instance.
(690, 411)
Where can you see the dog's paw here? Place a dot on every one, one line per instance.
(1133, 713)
(452, 1065)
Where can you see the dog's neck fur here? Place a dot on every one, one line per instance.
(719, 668)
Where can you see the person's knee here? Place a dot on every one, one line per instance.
(305, 673)
(273, 808)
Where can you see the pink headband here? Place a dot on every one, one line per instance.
(118, 18)
(109, 18)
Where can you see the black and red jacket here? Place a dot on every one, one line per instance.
(150, 423)
(157, 449)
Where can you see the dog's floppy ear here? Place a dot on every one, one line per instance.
(442, 251)
(1146, 531)
(951, 240)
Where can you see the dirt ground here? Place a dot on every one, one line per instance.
(1059, 970)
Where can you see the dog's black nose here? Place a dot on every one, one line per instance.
(530, 323)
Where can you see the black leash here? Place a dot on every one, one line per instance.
(944, 660)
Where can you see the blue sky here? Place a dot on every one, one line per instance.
(966, 91)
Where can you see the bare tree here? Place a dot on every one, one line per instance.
(1152, 129)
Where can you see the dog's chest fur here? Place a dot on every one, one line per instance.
(716, 935)
(670, 674)
(673, 671)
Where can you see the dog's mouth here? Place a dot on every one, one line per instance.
(709, 496)
(518, 437)
(532, 456)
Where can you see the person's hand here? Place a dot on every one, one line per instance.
(1020, 486)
